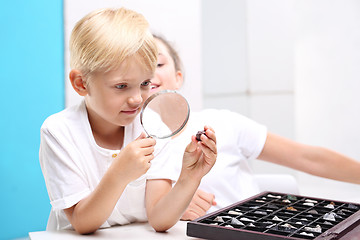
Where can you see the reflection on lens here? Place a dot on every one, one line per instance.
(164, 114)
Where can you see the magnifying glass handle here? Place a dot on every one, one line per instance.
(147, 135)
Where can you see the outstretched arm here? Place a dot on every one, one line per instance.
(165, 205)
(314, 160)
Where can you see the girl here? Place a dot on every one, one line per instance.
(239, 140)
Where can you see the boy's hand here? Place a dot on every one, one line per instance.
(200, 203)
(200, 156)
(134, 160)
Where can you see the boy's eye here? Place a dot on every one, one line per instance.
(120, 86)
(146, 83)
(160, 65)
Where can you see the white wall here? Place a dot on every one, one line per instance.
(328, 74)
(248, 63)
(328, 83)
(248, 55)
(293, 65)
(179, 21)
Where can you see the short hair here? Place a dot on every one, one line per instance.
(104, 38)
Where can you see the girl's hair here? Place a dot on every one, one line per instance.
(104, 38)
(172, 52)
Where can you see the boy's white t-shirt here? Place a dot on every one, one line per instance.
(73, 165)
(239, 140)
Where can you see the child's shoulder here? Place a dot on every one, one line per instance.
(66, 118)
(224, 120)
(215, 116)
(220, 115)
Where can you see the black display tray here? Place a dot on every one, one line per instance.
(274, 216)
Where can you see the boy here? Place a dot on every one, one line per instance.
(91, 183)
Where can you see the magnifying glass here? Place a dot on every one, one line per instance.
(164, 114)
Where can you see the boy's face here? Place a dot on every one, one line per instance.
(116, 97)
(165, 77)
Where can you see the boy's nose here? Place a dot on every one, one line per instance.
(136, 99)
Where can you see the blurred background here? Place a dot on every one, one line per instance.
(292, 65)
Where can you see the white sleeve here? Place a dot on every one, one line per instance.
(251, 136)
(65, 181)
(162, 166)
(233, 129)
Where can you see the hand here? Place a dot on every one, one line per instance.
(134, 160)
(200, 204)
(200, 156)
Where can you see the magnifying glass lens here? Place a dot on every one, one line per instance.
(164, 114)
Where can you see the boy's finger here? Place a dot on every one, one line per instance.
(149, 158)
(210, 134)
(191, 147)
(148, 151)
(208, 152)
(141, 136)
(206, 127)
(208, 144)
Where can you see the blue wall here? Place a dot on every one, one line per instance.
(32, 88)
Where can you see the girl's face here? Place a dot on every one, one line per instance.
(115, 98)
(165, 77)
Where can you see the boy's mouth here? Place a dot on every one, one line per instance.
(133, 111)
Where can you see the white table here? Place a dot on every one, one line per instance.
(131, 231)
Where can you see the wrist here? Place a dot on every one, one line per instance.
(188, 179)
(193, 175)
(119, 176)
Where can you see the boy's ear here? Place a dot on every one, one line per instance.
(78, 82)
(179, 80)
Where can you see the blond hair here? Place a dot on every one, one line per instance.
(104, 38)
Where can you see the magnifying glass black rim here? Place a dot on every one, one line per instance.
(151, 98)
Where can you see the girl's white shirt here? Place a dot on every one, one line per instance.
(73, 165)
(239, 140)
